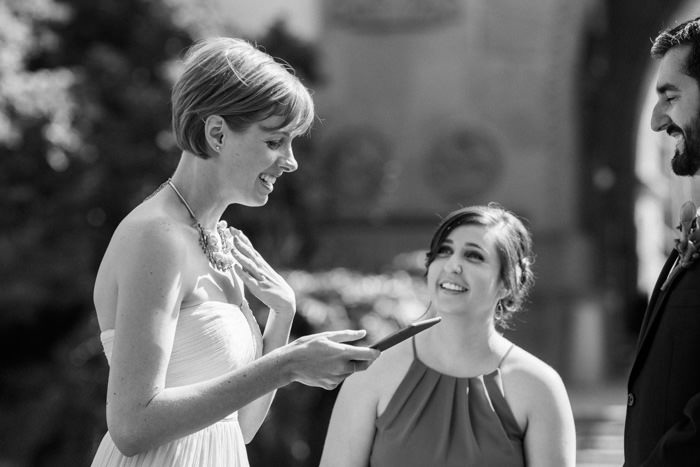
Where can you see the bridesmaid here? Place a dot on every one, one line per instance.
(191, 377)
(460, 393)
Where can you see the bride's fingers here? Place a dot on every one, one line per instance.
(244, 242)
(247, 250)
(261, 269)
(248, 265)
(249, 277)
(238, 234)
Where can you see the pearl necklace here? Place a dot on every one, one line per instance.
(219, 256)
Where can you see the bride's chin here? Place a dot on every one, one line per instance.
(255, 203)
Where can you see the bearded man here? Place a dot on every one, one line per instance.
(662, 427)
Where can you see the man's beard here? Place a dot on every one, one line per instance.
(687, 160)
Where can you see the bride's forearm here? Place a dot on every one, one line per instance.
(277, 329)
(179, 411)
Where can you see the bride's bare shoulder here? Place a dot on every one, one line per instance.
(144, 236)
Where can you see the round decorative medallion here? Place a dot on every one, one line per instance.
(462, 164)
(355, 171)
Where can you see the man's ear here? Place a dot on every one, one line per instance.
(214, 127)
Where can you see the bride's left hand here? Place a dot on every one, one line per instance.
(262, 280)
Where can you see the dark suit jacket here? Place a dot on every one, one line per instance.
(662, 427)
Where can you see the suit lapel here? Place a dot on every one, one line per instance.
(656, 294)
(658, 298)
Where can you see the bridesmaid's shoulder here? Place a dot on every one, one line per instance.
(388, 369)
(530, 374)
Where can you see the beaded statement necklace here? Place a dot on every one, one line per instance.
(218, 255)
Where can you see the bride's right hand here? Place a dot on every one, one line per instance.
(322, 360)
(261, 278)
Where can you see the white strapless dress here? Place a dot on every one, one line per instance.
(210, 339)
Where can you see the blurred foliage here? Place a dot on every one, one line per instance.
(343, 299)
(84, 94)
(36, 139)
(87, 97)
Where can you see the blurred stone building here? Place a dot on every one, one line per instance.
(540, 105)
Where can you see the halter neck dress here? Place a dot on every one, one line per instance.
(211, 338)
(438, 420)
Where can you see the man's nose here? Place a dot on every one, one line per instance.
(659, 119)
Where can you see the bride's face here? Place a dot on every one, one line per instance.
(255, 158)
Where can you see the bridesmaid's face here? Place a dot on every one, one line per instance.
(465, 274)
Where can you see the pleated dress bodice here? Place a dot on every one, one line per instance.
(211, 339)
(438, 420)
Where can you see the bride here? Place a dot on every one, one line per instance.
(191, 377)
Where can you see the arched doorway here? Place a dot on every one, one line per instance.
(615, 81)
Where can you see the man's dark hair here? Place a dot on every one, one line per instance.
(687, 32)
